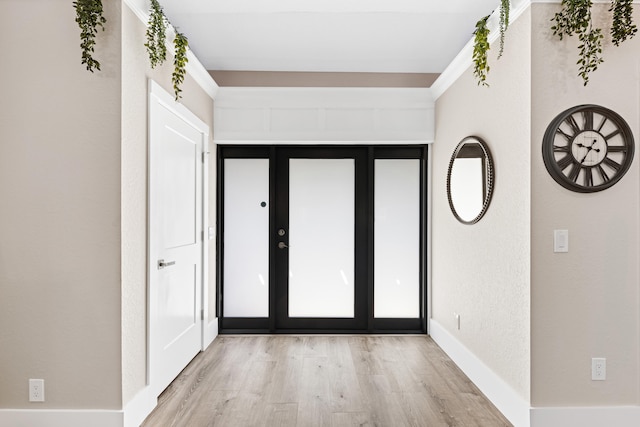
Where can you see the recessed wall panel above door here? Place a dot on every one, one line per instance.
(312, 115)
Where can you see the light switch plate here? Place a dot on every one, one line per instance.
(560, 241)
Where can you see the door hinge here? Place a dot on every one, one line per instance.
(202, 314)
(202, 235)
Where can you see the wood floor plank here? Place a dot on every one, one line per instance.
(345, 395)
(286, 373)
(350, 419)
(364, 356)
(306, 381)
(314, 397)
(281, 414)
(382, 403)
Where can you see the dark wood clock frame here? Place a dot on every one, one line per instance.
(588, 148)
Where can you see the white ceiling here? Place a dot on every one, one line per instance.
(386, 36)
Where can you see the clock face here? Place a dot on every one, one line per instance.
(587, 148)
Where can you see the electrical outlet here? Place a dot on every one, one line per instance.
(36, 390)
(598, 369)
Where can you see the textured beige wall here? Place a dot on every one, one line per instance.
(59, 209)
(135, 74)
(482, 271)
(585, 303)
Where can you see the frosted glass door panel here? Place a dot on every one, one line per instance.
(397, 239)
(321, 238)
(246, 238)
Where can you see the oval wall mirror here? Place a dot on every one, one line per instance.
(470, 180)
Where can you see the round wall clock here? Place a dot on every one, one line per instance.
(587, 148)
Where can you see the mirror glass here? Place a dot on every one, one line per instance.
(470, 180)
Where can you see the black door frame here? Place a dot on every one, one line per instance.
(364, 321)
(282, 320)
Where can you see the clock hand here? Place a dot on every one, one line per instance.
(597, 150)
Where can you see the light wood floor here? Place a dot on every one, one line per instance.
(323, 381)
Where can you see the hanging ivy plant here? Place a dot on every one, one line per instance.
(480, 49)
(481, 42)
(590, 55)
(575, 18)
(156, 35)
(89, 16)
(505, 8)
(157, 47)
(179, 62)
(622, 27)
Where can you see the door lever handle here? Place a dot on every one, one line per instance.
(162, 264)
(282, 245)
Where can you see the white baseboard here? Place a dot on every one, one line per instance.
(133, 415)
(139, 408)
(145, 401)
(60, 418)
(618, 416)
(514, 407)
(210, 333)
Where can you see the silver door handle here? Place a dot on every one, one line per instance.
(282, 245)
(162, 264)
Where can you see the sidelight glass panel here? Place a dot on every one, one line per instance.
(246, 238)
(397, 238)
(321, 238)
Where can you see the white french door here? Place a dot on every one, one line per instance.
(176, 142)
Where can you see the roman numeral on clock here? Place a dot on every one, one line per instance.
(565, 162)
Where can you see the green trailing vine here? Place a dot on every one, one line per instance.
(622, 27)
(575, 15)
(590, 55)
(505, 8)
(89, 16)
(156, 35)
(480, 49)
(575, 18)
(179, 62)
(481, 44)
(157, 47)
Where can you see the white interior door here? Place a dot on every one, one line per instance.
(176, 141)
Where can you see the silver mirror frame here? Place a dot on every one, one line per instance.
(489, 177)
